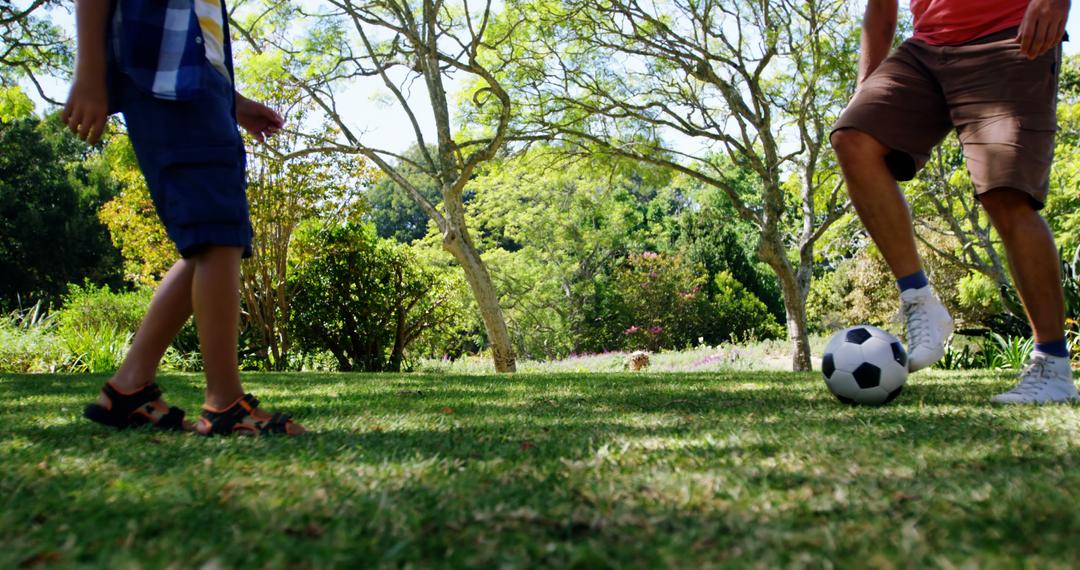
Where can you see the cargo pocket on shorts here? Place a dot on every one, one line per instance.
(1037, 137)
(205, 186)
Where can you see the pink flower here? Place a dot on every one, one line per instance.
(633, 329)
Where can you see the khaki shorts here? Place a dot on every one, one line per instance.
(1002, 105)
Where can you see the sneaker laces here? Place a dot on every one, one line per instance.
(918, 328)
(1034, 377)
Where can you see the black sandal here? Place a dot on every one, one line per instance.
(134, 410)
(231, 420)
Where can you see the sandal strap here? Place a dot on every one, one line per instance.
(223, 422)
(278, 424)
(174, 419)
(123, 405)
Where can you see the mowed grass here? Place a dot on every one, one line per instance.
(623, 470)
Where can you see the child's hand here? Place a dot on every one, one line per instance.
(258, 119)
(87, 108)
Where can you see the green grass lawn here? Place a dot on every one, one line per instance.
(653, 470)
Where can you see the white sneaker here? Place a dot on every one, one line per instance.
(1047, 379)
(928, 327)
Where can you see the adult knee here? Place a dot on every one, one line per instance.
(1011, 211)
(853, 145)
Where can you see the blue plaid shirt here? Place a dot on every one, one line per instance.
(159, 45)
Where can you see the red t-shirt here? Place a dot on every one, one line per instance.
(953, 22)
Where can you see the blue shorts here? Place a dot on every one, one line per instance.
(194, 162)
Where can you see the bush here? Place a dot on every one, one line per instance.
(362, 298)
(660, 301)
(92, 308)
(29, 343)
(978, 298)
(738, 315)
(96, 325)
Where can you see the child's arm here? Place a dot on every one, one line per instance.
(258, 119)
(88, 102)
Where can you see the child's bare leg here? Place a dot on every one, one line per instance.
(168, 311)
(216, 295)
(216, 299)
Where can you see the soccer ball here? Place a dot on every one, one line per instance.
(865, 365)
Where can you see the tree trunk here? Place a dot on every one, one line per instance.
(398, 352)
(795, 307)
(457, 242)
(794, 303)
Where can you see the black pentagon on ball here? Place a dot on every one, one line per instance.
(867, 376)
(858, 336)
(827, 365)
(899, 354)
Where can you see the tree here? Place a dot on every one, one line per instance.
(51, 186)
(753, 84)
(31, 46)
(402, 42)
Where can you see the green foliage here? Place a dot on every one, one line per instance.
(14, 104)
(50, 190)
(659, 301)
(737, 314)
(395, 214)
(714, 237)
(978, 296)
(859, 290)
(28, 342)
(362, 298)
(90, 333)
(991, 352)
(96, 325)
(91, 308)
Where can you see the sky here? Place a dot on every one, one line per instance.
(367, 108)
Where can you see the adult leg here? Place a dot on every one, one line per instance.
(1033, 259)
(877, 199)
(884, 211)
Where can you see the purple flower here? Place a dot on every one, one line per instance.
(656, 329)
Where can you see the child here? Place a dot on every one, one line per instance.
(167, 66)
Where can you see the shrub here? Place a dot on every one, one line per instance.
(91, 308)
(29, 343)
(978, 297)
(737, 314)
(660, 301)
(96, 325)
(362, 298)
